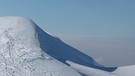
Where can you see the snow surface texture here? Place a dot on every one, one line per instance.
(20, 52)
(88, 71)
(26, 50)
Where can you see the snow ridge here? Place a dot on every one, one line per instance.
(56, 48)
(20, 52)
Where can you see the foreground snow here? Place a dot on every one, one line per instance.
(90, 71)
(20, 52)
(121, 71)
(126, 70)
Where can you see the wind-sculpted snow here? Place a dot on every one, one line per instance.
(88, 71)
(62, 52)
(20, 52)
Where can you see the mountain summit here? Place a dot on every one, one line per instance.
(26, 50)
(20, 52)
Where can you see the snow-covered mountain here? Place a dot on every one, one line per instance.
(27, 50)
(20, 52)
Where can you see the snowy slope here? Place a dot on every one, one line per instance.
(20, 52)
(88, 71)
(62, 52)
(126, 70)
(26, 50)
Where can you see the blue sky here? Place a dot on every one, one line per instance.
(104, 29)
(76, 17)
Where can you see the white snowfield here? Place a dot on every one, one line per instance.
(126, 70)
(121, 71)
(21, 54)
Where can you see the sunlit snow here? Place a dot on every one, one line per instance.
(27, 50)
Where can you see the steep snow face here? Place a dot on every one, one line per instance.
(62, 52)
(20, 52)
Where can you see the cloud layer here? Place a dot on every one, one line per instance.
(109, 51)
